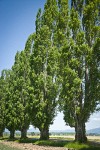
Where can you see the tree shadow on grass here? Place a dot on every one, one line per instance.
(57, 143)
(51, 142)
(67, 144)
(28, 140)
(91, 148)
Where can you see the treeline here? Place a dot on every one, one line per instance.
(59, 69)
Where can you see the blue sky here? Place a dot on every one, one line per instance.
(17, 22)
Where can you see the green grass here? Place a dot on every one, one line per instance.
(27, 140)
(57, 143)
(61, 138)
(53, 143)
(77, 145)
(67, 144)
(5, 147)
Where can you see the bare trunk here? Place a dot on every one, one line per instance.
(84, 133)
(1, 131)
(80, 132)
(23, 133)
(12, 134)
(44, 134)
(1, 134)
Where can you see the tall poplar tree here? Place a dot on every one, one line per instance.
(44, 71)
(22, 71)
(12, 111)
(2, 107)
(80, 79)
(10, 105)
(18, 106)
(3, 90)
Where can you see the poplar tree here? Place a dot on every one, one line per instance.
(81, 66)
(24, 87)
(44, 71)
(18, 106)
(3, 90)
(2, 108)
(9, 116)
(12, 111)
(21, 70)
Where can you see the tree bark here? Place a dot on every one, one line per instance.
(23, 133)
(44, 134)
(80, 132)
(84, 133)
(12, 134)
(1, 133)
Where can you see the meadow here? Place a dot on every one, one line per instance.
(6, 147)
(58, 142)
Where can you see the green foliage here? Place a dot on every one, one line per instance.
(21, 71)
(4, 80)
(44, 70)
(79, 66)
(17, 106)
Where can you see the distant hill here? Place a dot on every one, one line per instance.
(94, 131)
(63, 131)
(91, 131)
(55, 131)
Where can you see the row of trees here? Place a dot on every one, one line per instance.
(60, 66)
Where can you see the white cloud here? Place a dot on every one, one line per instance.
(95, 119)
(30, 127)
(59, 123)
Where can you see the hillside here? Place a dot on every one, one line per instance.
(94, 131)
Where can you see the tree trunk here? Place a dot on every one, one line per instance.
(23, 133)
(80, 132)
(84, 133)
(44, 134)
(1, 133)
(12, 134)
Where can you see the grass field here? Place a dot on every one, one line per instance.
(68, 144)
(57, 141)
(5, 147)
(63, 142)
